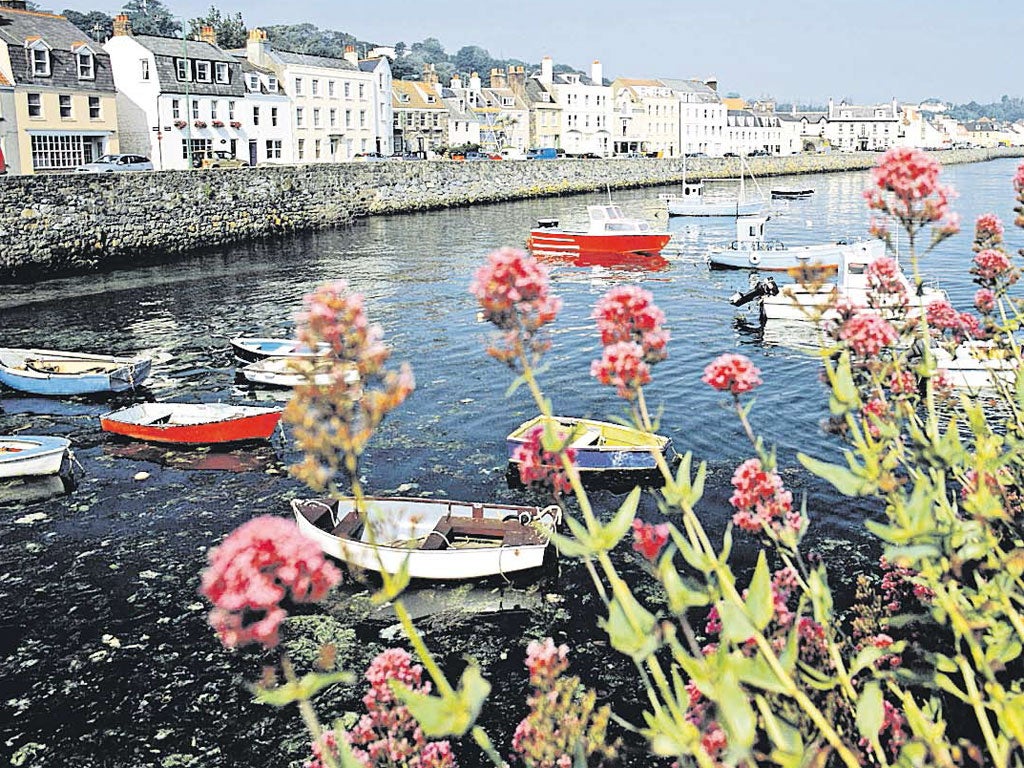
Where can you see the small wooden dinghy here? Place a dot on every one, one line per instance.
(600, 445)
(31, 455)
(251, 349)
(192, 423)
(442, 540)
(57, 373)
(791, 194)
(282, 371)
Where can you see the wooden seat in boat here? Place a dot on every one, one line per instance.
(590, 437)
(323, 515)
(511, 533)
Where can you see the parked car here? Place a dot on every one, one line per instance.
(477, 156)
(544, 153)
(111, 163)
(759, 153)
(216, 158)
(730, 154)
(368, 156)
(696, 154)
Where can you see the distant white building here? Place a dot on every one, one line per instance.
(702, 116)
(852, 128)
(586, 108)
(920, 129)
(749, 131)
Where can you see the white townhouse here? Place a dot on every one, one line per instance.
(919, 130)
(176, 97)
(748, 130)
(335, 105)
(702, 116)
(503, 116)
(852, 128)
(265, 115)
(379, 67)
(587, 108)
(646, 118)
(803, 131)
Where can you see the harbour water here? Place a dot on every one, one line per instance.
(105, 656)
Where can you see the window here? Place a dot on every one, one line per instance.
(273, 116)
(195, 109)
(65, 106)
(316, 149)
(198, 145)
(181, 69)
(300, 117)
(63, 151)
(273, 149)
(94, 108)
(271, 84)
(40, 62)
(144, 69)
(35, 105)
(231, 110)
(302, 149)
(348, 118)
(86, 66)
(362, 118)
(334, 118)
(252, 82)
(222, 72)
(348, 90)
(176, 109)
(330, 88)
(298, 86)
(255, 115)
(213, 109)
(314, 87)
(362, 90)
(316, 117)
(203, 71)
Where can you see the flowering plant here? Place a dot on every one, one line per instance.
(739, 670)
(236, 123)
(180, 123)
(199, 124)
(217, 123)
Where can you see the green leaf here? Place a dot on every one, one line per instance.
(870, 711)
(394, 585)
(608, 536)
(682, 593)
(789, 746)
(869, 654)
(842, 479)
(754, 671)
(1012, 718)
(305, 688)
(631, 628)
(451, 715)
(691, 554)
(738, 718)
(580, 546)
(760, 605)
(736, 625)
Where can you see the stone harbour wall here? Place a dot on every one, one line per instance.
(61, 224)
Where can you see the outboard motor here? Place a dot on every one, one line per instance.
(547, 223)
(766, 287)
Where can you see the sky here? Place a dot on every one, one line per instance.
(868, 51)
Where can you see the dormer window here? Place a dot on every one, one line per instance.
(252, 82)
(181, 69)
(203, 71)
(39, 55)
(271, 84)
(221, 72)
(85, 60)
(403, 97)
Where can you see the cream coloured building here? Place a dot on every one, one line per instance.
(646, 118)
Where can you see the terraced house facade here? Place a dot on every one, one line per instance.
(60, 106)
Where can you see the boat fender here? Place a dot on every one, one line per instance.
(755, 259)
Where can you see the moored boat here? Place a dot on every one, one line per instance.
(609, 232)
(252, 348)
(975, 365)
(791, 194)
(58, 373)
(752, 250)
(32, 455)
(192, 423)
(292, 372)
(601, 446)
(437, 538)
(693, 199)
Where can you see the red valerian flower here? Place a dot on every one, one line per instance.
(985, 300)
(903, 383)
(628, 313)
(546, 661)
(649, 539)
(732, 373)
(883, 276)
(988, 229)
(539, 465)
(906, 185)
(990, 265)
(868, 334)
(259, 564)
(1018, 180)
(622, 366)
(761, 500)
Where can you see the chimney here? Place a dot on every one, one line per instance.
(517, 80)
(429, 75)
(350, 55)
(17, 5)
(208, 35)
(596, 73)
(498, 79)
(474, 81)
(712, 83)
(256, 47)
(456, 82)
(546, 70)
(831, 108)
(122, 26)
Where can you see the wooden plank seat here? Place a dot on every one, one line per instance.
(590, 437)
(322, 515)
(512, 533)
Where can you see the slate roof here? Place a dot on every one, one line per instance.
(309, 60)
(167, 49)
(536, 93)
(703, 92)
(862, 113)
(16, 26)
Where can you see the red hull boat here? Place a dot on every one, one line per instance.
(609, 232)
(192, 423)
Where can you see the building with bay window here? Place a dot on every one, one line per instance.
(59, 104)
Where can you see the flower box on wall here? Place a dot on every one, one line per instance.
(199, 124)
(180, 123)
(236, 123)
(217, 123)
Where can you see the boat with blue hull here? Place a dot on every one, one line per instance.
(32, 455)
(56, 373)
(600, 445)
(251, 348)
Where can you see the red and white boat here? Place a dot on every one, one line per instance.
(192, 423)
(609, 232)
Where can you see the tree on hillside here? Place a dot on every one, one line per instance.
(473, 58)
(230, 30)
(308, 38)
(151, 17)
(98, 25)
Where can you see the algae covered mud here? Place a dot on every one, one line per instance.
(107, 658)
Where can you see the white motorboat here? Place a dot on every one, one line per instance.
(294, 371)
(32, 455)
(975, 365)
(693, 199)
(752, 250)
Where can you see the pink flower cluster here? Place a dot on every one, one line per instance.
(628, 313)
(388, 734)
(884, 276)
(874, 411)
(546, 661)
(906, 185)
(761, 501)
(541, 466)
(988, 231)
(903, 383)
(622, 365)
(649, 539)
(732, 373)
(337, 317)
(1018, 179)
(985, 300)
(992, 266)
(253, 570)
(942, 317)
(868, 334)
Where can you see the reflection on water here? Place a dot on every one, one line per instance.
(119, 557)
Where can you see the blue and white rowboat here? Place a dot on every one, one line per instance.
(58, 373)
(30, 455)
(600, 445)
(251, 349)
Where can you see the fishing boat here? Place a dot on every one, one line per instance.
(600, 445)
(251, 348)
(293, 371)
(609, 232)
(32, 455)
(437, 538)
(192, 423)
(791, 194)
(57, 373)
(752, 250)
(975, 365)
(693, 199)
